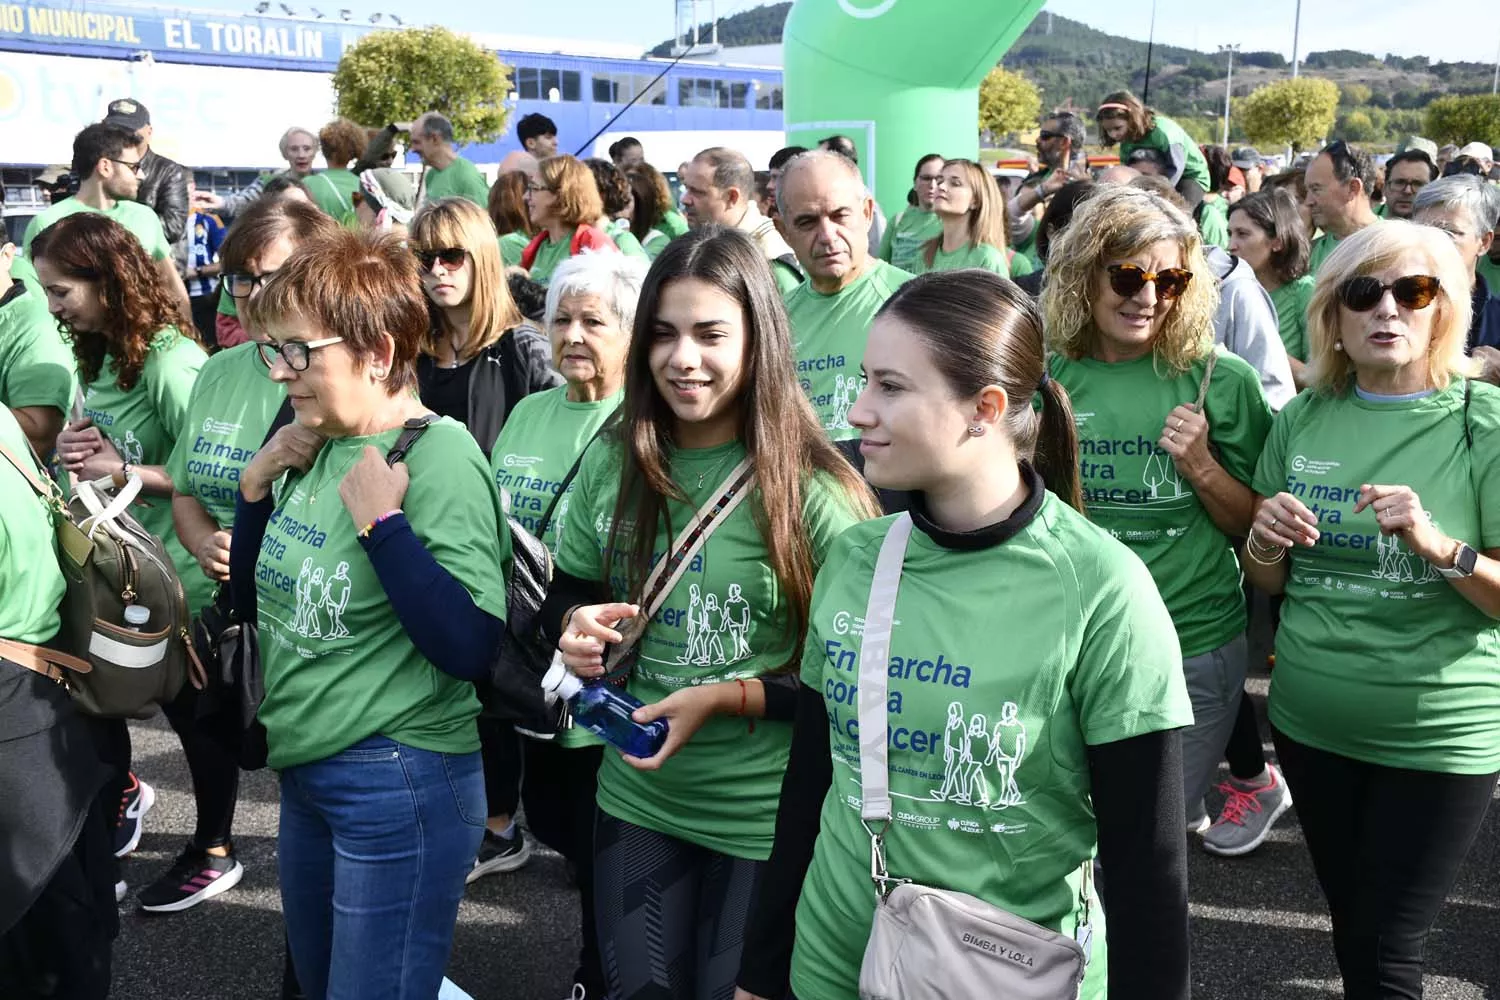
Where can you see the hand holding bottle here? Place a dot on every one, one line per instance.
(587, 631)
(685, 710)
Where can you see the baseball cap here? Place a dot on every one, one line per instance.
(1478, 150)
(1245, 157)
(1418, 143)
(127, 113)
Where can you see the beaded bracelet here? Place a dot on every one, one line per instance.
(365, 533)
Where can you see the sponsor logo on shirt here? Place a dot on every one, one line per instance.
(220, 427)
(512, 461)
(1312, 466)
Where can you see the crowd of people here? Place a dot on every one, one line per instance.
(1091, 412)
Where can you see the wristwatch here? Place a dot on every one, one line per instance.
(1464, 561)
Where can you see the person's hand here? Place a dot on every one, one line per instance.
(77, 441)
(213, 555)
(686, 710)
(373, 488)
(102, 464)
(1185, 438)
(1283, 521)
(1399, 512)
(207, 200)
(588, 630)
(293, 447)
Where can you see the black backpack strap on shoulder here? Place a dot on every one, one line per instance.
(410, 431)
(1468, 395)
(284, 416)
(610, 423)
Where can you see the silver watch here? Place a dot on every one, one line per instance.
(1464, 561)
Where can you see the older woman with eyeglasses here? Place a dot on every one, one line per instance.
(1169, 432)
(1381, 524)
(564, 203)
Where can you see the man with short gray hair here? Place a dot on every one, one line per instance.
(1468, 210)
(718, 186)
(448, 174)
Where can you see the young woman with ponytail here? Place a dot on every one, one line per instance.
(1035, 688)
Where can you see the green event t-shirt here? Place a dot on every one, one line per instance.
(458, 179)
(829, 334)
(724, 620)
(143, 425)
(1378, 657)
(1322, 246)
(625, 240)
(34, 583)
(226, 303)
(339, 666)
(1163, 137)
(137, 218)
(1291, 301)
(511, 246)
(901, 244)
(655, 242)
(673, 223)
(980, 255)
(1020, 265)
(230, 409)
(1213, 222)
(1489, 269)
(36, 361)
(333, 189)
(987, 740)
(1132, 489)
(549, 254)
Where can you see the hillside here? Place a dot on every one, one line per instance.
(1075, 65)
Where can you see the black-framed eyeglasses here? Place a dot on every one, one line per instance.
(452, 257)
(1128, 279)
(296, 353)
(1408, 184)
(929, 178)
(1046, 134)
(240, 284)
(134, 165)
(1414, 291)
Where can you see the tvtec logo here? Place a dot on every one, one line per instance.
(845, 623)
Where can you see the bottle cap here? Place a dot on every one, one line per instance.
(558, 682)
(137, 614)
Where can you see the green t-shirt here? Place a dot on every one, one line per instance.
(987, 742)
(1027, 248)
(619, 231)
(226, 303)
(143, 425)
(137, 218)
(1132, 489)
(901, 244)
(1322, 246)
(1163, 137)
(1213, 222)
(34, 584)
(1291, 301)
(1489, 270)
(511, 246)
(655, 242)
(458, 179)
(1378, 657)
(333, 190)
(1020, 264)
(980, 255)
(549, 254)
(230, 409)
(673, 223)
(829, 333)
(339, 666)
(36, 361)
(724, 620)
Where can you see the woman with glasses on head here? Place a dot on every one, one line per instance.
(1381, 524)
(1170, 429)
(972, 214)
(1125, 120)
(507, 208)
(1266, 232)
(565, 208)
(906, 236)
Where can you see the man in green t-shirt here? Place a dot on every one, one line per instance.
(719, 187)
(36, 363)
(1339, 182)
(448, 174)
(108, 158)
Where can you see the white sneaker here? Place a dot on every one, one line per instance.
(120, 890)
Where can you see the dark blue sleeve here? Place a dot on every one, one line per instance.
(441, 619)
(215, 236)
(250, 520)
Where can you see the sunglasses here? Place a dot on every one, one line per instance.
(1415, 291)
(1128, 279)
(452, 257)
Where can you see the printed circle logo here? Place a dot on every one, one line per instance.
(841, 623)
(208, 425)
(1299, 462)
(859, 8)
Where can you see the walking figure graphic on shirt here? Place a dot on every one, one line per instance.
(956, 756)
(713, 641)
(695, 622)
(304, 597)
(559, 519)
(130, 448)
(977, 788)
(1399, 565)
(1007, 747)
(737, 622)
(842, 401)
(336, 599)
(317, 593)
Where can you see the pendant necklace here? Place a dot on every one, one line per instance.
(705, 473)
(312, 496)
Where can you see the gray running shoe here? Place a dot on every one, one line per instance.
(1247, 816)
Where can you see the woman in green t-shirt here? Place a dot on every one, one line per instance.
(709, 387)
(909, 229)
(565, 207)
(1125, 120)
(972, 211)
(651, 201)
(1266, 232)
(1034, 693)
(507, 208)
(1381, 524)
(616, 195)
(1171, 428)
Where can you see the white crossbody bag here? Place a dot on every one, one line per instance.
(928, 942)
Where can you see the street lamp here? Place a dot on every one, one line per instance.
(1228, 85)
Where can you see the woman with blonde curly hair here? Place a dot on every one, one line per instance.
(1381, 524)
(1169, 433)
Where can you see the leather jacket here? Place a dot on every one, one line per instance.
(164, 190)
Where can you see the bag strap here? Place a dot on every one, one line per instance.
(410, 432)
(1208, 374)
(567, 480)
(44, 489)
(48, 662)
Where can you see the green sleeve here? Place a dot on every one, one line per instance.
(579, 553)
(32, 228)
(887, 236)
(475, 187)
(655, 242)
(1270, 471)
(786, 278)
(184, 437)
(1213, 226)
(38, 364)
(170, 374)
(460, 525)
(827, 514)
(153, 237)
(993, 259)
(1021, 265)
(511, 247)
(1239, 418)
(1484, 421)
(833, 563)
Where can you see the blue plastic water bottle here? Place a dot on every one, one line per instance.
(605, 711)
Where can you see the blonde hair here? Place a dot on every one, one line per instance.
(458, 222)
(1115, 223)
(986, 214)
(1376, 248)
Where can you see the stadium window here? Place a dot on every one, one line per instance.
(619, 88)
(534, 84)
(708, 93)
(769, 98)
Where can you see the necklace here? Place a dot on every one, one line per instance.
(715, 471)
(312, 495)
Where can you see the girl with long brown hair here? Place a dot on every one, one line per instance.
(710, 394)
(972, 213)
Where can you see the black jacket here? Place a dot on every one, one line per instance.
(164, 190)
(511, 368)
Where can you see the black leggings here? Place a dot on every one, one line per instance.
(1245, 753)
(112, 744)
(558, 795)
(1386, 844)
(500, 749)
(652, 955)
(215, 774)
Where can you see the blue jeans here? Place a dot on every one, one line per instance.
(374, 846)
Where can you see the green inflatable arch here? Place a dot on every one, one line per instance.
(899, 77)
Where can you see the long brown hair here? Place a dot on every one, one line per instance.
(777, 425)
(1139, 119)
(987, 223)
(92, 247)
(982, 330)
(508, 204)
(458, 222)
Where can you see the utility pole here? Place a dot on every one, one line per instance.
(1296, 37)
(1228, 85)
(1495, 86)
(1150, 43)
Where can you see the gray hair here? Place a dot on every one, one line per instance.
(286, 137)
(615, 277)
(1466, 192)
(807, 159)
(436, 125)
(1070, 125)
(730, 169)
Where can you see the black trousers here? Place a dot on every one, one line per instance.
(500, 749)
(215, 774)
(1386, 844)
(112, 744)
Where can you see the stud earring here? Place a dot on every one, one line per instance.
(1338, 345)
(975, 430)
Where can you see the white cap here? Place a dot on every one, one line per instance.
(137, 614)
(558, 682)
(1478, 150)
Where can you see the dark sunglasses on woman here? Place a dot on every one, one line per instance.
(452, 257)
(1415, 291)
(1128, 279)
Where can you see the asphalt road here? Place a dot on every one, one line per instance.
(1260, 929)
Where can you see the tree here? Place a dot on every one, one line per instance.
(1299, 112)
(393, 76)
(1352, 95)
(1475, 118)
(1357, 126)
(1008, 102)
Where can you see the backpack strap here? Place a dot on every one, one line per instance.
(609, 422)
(410, 432)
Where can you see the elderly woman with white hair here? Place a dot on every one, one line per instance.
(1381, 524)
(591, 304)
(298, 147)
(1468, 209)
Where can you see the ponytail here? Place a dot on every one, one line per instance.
(1056, 454)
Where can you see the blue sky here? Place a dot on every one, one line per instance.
(1455, 29)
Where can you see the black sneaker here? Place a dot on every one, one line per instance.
(500, 854)
(196, 876)
(137, 800)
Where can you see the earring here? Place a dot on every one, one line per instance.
(1338, 345)
(975, 430)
